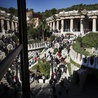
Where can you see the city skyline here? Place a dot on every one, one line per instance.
(39, 6)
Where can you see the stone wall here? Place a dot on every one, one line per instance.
(91, 62)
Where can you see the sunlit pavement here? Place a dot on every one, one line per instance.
(41, 90)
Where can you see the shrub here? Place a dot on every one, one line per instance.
(15, 38)
(40, 50)
(79, 39)
(43, 66)
(90, 40)
(55, 51)
(79, 49)
(52, 37)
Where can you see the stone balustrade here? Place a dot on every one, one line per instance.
(36, 46)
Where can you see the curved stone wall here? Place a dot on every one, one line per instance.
(96, 64)
(85, 61)
(76, 56)
(91, 62)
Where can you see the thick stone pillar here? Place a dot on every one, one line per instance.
(62, 25)
(71, 25)
(8, 25)
(12, 25)
(50, 26)
(16, 26)
(54, 25)
(81, 26)
(2, 26)
(94, 25)
(57, 26)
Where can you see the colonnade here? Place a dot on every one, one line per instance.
(6, 25)
(7, 22)
(74, 22)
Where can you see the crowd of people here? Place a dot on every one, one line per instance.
(56, 61)
(59, 64)
(7, 44)
(12, 83)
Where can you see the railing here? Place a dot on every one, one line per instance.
(22, 49)
(5, 64)
(6, 34)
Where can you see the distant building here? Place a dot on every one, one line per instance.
(75, 22)
(33, 18)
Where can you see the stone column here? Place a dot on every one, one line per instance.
(94, 25)
(81, 26)
(57, 26)
(8, 25)
(54, 25)
(50, 26)
(62, 25)
(71, 25)
(16, 27)
(12, 25)
(2, 26)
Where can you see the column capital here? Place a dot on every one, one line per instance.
(82, 16)
(71, 17)
(94, 16)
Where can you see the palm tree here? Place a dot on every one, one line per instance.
(43, 27)
(30, 25)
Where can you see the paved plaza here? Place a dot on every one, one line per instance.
(45, 91)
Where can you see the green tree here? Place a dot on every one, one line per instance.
(43, 27)
(13, 11)
(53, 11)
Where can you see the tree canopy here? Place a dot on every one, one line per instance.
(53, 11)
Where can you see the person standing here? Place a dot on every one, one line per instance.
(43, 77)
